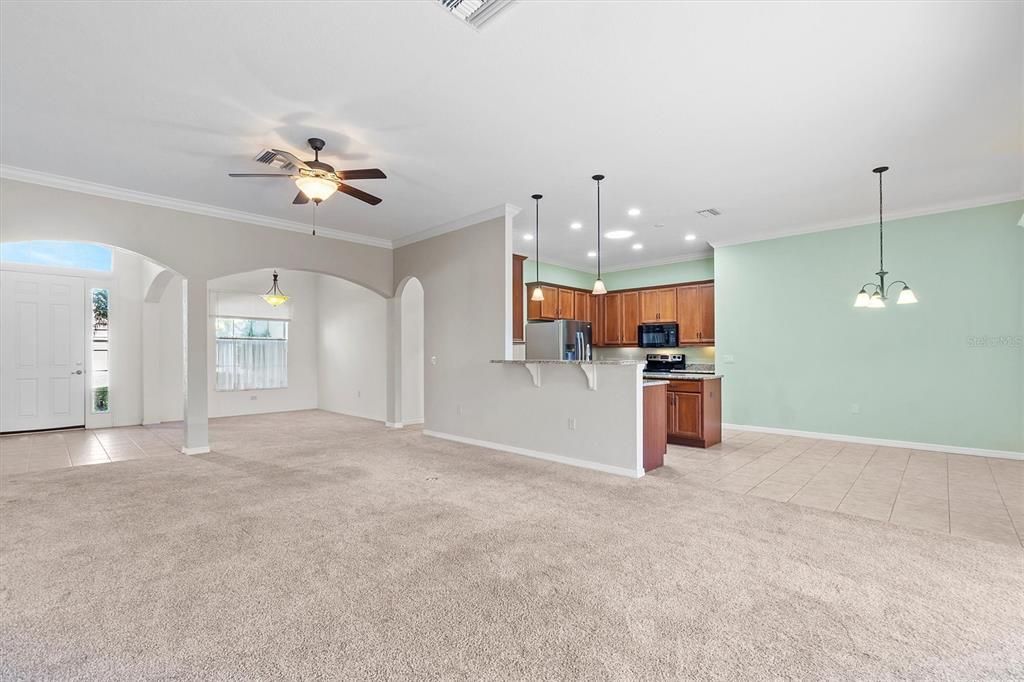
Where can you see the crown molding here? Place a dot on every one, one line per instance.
(499, 211)
(110, 192)
(890, 215)
(662, 261)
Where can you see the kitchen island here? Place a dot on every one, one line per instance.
(694, 407)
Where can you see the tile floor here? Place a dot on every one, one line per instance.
(978, 497)
(37, 452)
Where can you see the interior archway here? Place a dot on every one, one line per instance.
(412, 354)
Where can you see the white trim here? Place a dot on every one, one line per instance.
(560, 459)
(195, 451)
(393, 425)
(499, 211)
(704, 255)
(909, 445)
(411, 422)
(860, 222)
(110, 192)
(57, 270)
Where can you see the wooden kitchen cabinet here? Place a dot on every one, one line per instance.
(695, 304)
(630, 318)
(658, 305)
(582, 307)
(566, 304)
(542, 310)
(695, 412)
(611, 325)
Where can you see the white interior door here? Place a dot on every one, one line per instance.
(42, 351)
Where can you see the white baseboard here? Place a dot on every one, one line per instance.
(560, 459)
(195, 451)
(410, 422)
(394, 425)
(909, 445)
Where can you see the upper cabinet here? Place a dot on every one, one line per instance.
(616, 316)
(696, 306)
(658, 305)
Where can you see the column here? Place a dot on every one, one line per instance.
(196, 333)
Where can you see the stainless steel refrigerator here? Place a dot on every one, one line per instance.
(558, 340)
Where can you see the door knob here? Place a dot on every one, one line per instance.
(77, 372)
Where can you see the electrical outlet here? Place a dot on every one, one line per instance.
(728, 359)
(253, 397)
(855, 408)
(433, 359)
(359, 394)
(572, 423)
(458, 410)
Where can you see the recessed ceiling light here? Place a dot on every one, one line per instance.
(619, 234)
(690, 237)
(637, 246)
(633, 212)
(591, 254)
(528, 237)
(576, 226)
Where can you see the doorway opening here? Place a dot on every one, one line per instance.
(412, 353)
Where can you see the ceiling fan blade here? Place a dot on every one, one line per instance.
(259, 175)
(361, 174)
(300, 198)
(296, 161)
(359, 194)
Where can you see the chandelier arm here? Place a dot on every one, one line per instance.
(872, 284)
(892, 284)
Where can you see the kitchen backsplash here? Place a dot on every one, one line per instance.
(700, 355)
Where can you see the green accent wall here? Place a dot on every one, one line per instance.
(949, 370)
(686, 271)
(656, 275)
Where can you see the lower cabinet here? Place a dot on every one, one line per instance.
(695, 412)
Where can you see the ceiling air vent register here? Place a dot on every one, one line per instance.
(270, 158)
(709, 213)
(474, 12)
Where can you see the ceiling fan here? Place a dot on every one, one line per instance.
(317, 180)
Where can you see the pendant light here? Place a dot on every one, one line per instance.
(599, 288)
(879, 292)
(538, 293)
(275, 296)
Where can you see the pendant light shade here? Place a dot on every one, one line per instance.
(538, 293)
(879, 291)
(599, 288)
(275, 296)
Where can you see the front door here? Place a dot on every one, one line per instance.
(42, 351)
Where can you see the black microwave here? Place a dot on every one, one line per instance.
(658, 335)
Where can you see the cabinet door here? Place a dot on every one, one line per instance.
(612, 326)
(546, 309)
(581, 305)
(650, 306)
(630, 318)
(566, 307)
(707, 313)
(684, 418)
(667, 305)
(689, 314)
(597, 310)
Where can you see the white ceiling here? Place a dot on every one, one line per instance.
(773, 113)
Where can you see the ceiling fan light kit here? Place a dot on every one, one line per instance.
(875, 294)
(318, 181)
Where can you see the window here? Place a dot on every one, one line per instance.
(100, 351)
(53, 254)
(251, 354)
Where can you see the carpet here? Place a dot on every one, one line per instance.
(315, 546)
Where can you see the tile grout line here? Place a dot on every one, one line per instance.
(999, 490)
(820, 469)
(903, 473)
(859, 474)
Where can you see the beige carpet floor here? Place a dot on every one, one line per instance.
(313, 546)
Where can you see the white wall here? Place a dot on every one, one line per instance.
(301, 393)
(352, 349)
(467, 300)
(172, 370)
(412, 352)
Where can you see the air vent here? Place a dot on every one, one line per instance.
(474, 12)
(271, 159)
(709, 213)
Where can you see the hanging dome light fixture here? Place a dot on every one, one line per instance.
(275, 296)
(875, 294)
(599, 288)
(538, 293)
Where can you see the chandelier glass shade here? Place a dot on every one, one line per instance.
(599, 288)
(275, 296)
(538, 293)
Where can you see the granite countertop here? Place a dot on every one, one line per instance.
(568, 362)
(681, 376)
(655, 382)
